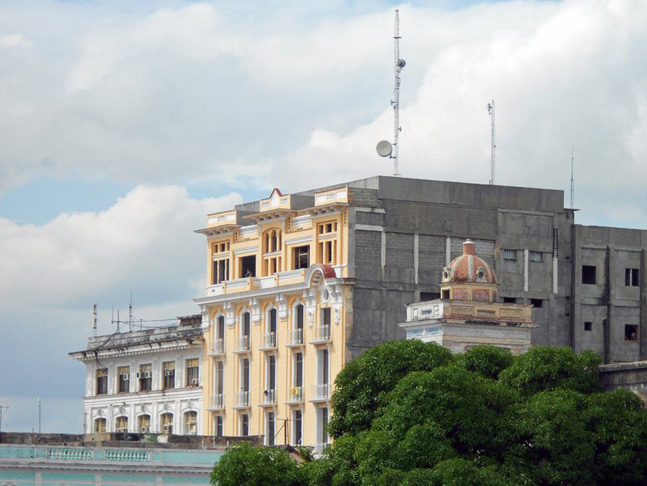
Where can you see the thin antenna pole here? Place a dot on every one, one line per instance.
(130, 313)
(94, 320)
(572, 177)
(490, 109)
(398, 65)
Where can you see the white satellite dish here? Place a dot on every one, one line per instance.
(384, 148)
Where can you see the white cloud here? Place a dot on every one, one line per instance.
(144, 241)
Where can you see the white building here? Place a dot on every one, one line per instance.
(144, 381)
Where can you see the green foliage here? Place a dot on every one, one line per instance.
(361, 387)
(247, 465)
(488, 361)
(548, 368)
(483, 418)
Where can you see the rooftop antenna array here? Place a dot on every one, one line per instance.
(94, 320)
(386, 148)
(490, 110)
(572, 178)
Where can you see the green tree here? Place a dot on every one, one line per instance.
(361, 387)
(247, 465)
(545, 368)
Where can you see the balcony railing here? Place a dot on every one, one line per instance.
(218, 346)
(296, 394)
(242, 399)
(217, 402)
(269, 341)
(296, 337)
(322, 334)
(320, 392)
(268, 397)
(242, 344)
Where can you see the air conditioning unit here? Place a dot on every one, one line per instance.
(125, 377)
(194, 382)
(138, 374)
(145, 430)
(168, 373)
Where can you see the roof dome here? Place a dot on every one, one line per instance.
(469, 268)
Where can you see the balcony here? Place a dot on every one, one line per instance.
(295, 338)
(242, 400)
(320, 393)
(268, 398)
(217, 348)
(296, 395)
(217, 402)
(242, 344)
(269, 341)
(322, 334)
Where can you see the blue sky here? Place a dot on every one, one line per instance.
(125, 123)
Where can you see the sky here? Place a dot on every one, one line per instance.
(123, 124)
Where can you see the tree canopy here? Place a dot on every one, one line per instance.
(410, 413)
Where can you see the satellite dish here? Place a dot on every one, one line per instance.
(384, 148)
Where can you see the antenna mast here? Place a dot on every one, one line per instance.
(130, 313)
(490, 109)
(572, 178)
(94, 320)
(398, 65)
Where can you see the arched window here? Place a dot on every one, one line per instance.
(144, 424)
(121, 424)
(191, 423)
(100, 426)
(166, 422)
(271, 251)
(270, 329)
(296, 334)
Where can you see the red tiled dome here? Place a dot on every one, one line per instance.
(469, 268)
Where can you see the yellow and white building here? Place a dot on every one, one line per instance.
(276, 316)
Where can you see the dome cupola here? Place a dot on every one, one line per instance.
(469, 277)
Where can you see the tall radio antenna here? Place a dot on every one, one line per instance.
(490, 110)
(386, 148)
(572, 178)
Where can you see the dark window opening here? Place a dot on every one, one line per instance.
(302, 257)
(537, 303)
(325, 314)
(270, 428)
(244, 425)
(509, 300)
(588, 325)
(219, 426)
(427, 296)
(631, 332)
(632, 277)
(102, 382)
(220, 271)
(536, 256)
(248, 266)
(444, 294)
(588, 274)
(510, 255)
(298, 427)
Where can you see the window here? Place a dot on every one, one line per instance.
(297, 388)
(169, 375)
(220, 271)
(100, 426)
(631, 332)
(218, 426)
(144, 424)
(427, 296)
(322, 426)
(166, 420)
(301, 257)
(244, 378)
(192, 372)
(588, 325)
(123, 383)
(297, 331)
(444, 294)
(297, 427)
(632, 277)
(244, 425)
(270, 428)
(536, 256)
(219, 379)
(191, 423)
(537, 303)
(145, 377)
(510, 255)
(327, 228)
(245, 330)
(588, 274)
(219, 335)
(271, 252)
(121, 425)
(328, 251)
(247, 266)
(102, 381)
(509, 300)
(270, 335)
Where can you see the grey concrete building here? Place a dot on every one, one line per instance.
(402, 232)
